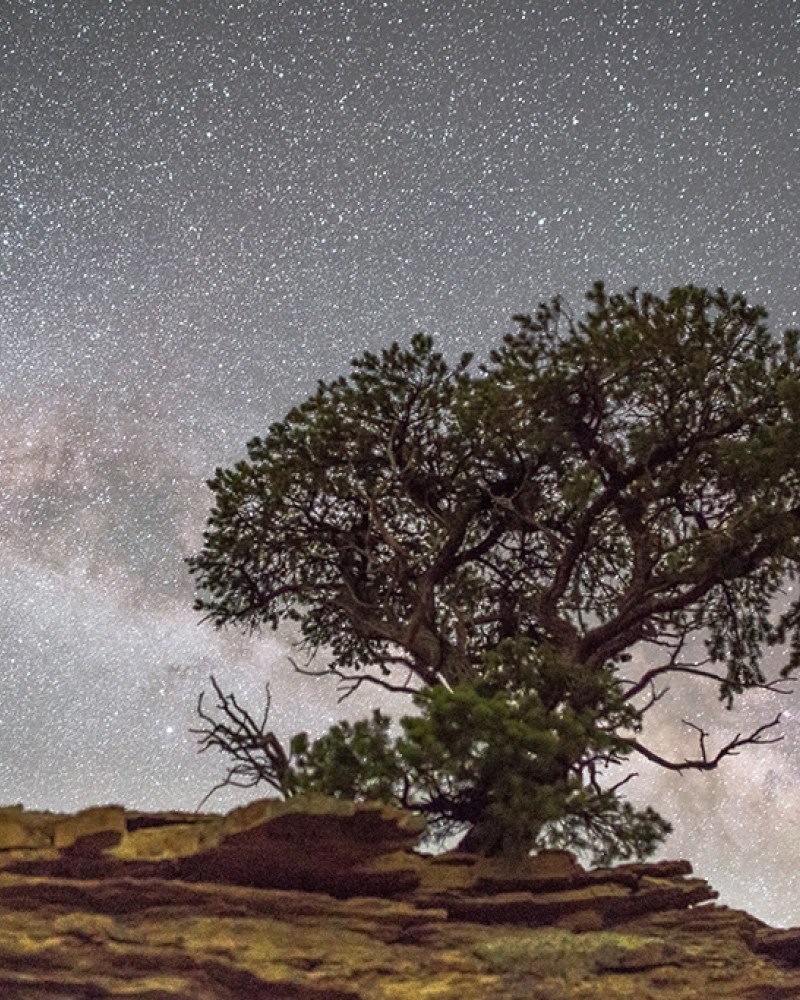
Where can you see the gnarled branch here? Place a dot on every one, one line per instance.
(705, 762)
(257, 753)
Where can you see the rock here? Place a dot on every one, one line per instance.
(531, 909)
(317, 844)
(100, 819)
(15, 834)
(488, 893)
(87, 926)
(171, 840)
(654, 869)
(606, 905)
(629, 955)
(783, 945)
(318, 898)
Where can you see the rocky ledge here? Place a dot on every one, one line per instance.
(319, 898)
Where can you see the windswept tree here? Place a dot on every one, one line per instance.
(498, 543)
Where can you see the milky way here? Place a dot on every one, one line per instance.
(207, 206)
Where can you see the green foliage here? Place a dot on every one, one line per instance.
(491, 763)
(606, 829)
(353, 761)
(506, 538)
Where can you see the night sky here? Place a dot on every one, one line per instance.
(206, 206)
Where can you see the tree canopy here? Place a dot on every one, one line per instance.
(498, 542)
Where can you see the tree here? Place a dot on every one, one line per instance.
(498, 544)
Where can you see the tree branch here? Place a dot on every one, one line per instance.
(678, 668)
(704, 762)
(257, 753)
(348, 683)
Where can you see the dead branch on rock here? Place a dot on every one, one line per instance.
(256, 751)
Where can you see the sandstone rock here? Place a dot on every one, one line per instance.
(99, 819)
(532, 909)
(172, 840)
(88, 926)
(319, 898)
(313, 843)
(15, 834)
(783, 945)
(626, 955)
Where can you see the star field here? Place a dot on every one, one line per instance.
(207, 206)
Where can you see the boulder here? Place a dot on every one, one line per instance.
(15, 834)
(783, 945)
(89, 822)
(315, 843)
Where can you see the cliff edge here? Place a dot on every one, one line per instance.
(318, 898)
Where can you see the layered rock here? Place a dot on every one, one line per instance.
(324, 898)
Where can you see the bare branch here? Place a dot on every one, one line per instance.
(647, 679)
(350, 682)
(612, 789)
(654, 697)
(257, 753)
(704, 762)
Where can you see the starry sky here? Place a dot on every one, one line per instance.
(206, 206)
